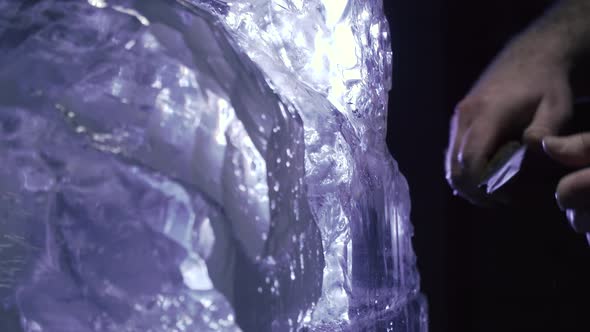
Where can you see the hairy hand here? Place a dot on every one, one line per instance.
(524, 94)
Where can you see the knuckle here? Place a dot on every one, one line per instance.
(470, 105)
(535, 135)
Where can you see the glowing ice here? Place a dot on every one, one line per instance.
(201, 165)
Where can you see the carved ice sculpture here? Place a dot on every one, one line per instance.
(201, 165)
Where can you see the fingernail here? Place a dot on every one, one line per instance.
(558, 202)
(549, 143)
(570, 215)
(461, 160)
(579, 220)
(448, 176)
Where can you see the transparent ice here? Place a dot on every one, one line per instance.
(201, 165)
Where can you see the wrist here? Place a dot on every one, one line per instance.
(563, 33)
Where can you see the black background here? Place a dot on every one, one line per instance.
(506, 269)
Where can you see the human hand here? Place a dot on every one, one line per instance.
(524, 94)
(573, 190)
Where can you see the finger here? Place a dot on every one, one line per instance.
(459, 180)
(478, 128)
(579, 220)
(459, 123)
(573, 191)
(477, 147)
(464, 114)
(451, 164)
(573, 150)
(551, 115)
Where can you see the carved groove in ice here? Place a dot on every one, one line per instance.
(201, 165)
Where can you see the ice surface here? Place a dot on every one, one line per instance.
(201, 165)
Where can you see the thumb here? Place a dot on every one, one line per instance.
(573, 150)
(552, 113)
